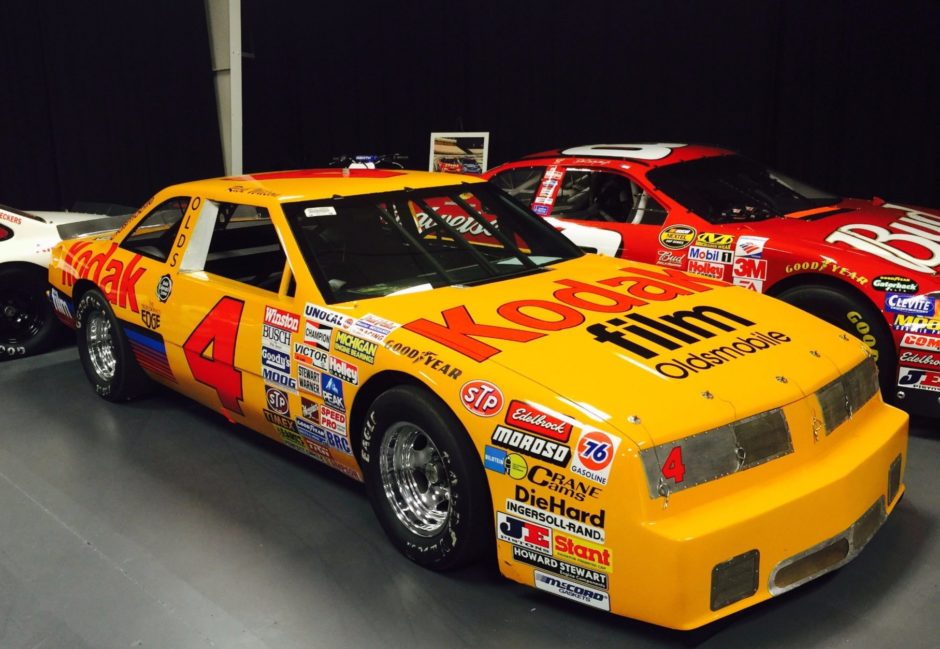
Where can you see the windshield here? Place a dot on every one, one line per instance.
(733, 188)
(411, 240)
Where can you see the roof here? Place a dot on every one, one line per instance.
(313, 184)
(650, 154)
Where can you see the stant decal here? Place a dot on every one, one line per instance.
(482, 398)
(589, 554)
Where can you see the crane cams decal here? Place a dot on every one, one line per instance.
(915, 231)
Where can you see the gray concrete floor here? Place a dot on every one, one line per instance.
(158, 524)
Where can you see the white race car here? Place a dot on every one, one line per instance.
(28, 324)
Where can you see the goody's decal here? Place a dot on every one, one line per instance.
(595, 455)
(275, 359)
(482, 398)
(911, 241)
(910, 304)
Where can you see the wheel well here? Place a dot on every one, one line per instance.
(82, 286)
(809, 279)
(368, 393)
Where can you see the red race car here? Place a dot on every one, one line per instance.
(867, 266)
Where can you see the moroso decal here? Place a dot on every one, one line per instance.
(150, 351)
(461, 332)
(117, 280)
(531, 445)
(911, 241)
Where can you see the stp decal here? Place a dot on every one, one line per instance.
(482, 398)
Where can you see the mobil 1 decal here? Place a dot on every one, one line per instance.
(644, 326)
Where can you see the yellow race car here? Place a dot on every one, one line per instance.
(659, 445)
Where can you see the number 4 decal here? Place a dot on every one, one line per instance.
(674, 469)
(210, 352)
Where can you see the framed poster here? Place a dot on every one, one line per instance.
(463, 153)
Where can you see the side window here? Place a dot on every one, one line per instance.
(592, 195)
(245, 247)
(154, 235)
(521, 183)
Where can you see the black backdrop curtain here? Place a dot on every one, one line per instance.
(843, 94)
(107, 100)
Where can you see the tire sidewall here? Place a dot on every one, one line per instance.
(113, 389)
(463, 536)
(35, 282)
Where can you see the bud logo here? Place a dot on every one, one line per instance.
(281, 319)
(707, 268)
(750, 268)
(522, 415)
(910, 304)
(710, 254)
(571, 590)
(918, 234)
(595, 455)
(921, 341)
(277, 400)
(919, 379)
(523, 533)
(667, 258)
(482, 398)
(586, 553)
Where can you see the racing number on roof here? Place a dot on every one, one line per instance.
(218, 330)
(673, 468)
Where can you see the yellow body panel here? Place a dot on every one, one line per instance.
(564, 360)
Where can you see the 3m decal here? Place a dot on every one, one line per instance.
(277, 400)
(482, 398)
(595, 455)
(117, 280)
(523, 533)
(531, 445)
(528, 417)
(216, 368)
(676, 237)
(583, 552)
(570, 590)
(750, 268)
(539, 560)
(462, 333)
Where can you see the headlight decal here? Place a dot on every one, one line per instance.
(715, 453)
(842, 398)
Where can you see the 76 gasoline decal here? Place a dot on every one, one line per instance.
(595, 455)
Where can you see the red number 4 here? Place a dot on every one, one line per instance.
(674, 469)
(216, 367)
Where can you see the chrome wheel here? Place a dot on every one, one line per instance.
(415, 479)
(100, 344)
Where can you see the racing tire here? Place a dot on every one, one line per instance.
(425, 480)
(106, 356)
(28, 324)
(855, 316)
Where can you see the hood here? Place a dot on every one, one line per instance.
(646, 351)
(884, 238)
